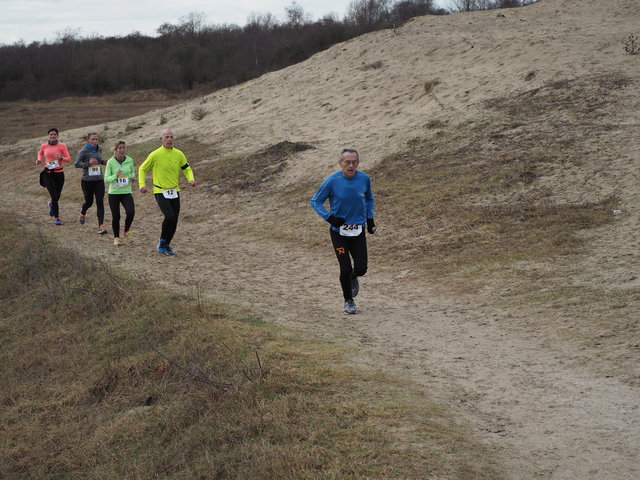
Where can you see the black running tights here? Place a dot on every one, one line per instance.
(54, 181)
(345, 249)
(93, 189)
(170, 208)
(126, 199)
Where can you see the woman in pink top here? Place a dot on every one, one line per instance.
(52, 154)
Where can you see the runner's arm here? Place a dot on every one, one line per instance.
(317, 201)
(187, 171)
(133, 168)
(80, 161)
(65, 153)
(369, 201)
(142, 171)
(41, 156)
(110, 172)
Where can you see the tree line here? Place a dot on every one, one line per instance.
(191, 52)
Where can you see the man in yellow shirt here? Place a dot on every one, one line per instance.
(166, 164)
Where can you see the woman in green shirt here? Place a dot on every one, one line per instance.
(120, 173)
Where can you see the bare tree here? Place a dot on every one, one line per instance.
(366, 14)
(261, 21)
(193, 23)
(470, 5)
(406, 9)
(296, 16)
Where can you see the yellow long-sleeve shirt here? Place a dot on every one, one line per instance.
(165, 164)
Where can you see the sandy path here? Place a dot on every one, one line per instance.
(525, 396)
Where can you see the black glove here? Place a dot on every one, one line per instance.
(371, 226)
(335, 221)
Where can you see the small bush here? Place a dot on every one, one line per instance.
(632, 45)
(430, 85)
(198, 113)
(372, 66)
(133, 126)
(163, 120)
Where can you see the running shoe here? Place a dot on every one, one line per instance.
(50, 209)
(128, 236)
(168, 250)
(355, 286)
(161, 248)
(82, 219)
(102, 230)
(117, 242)
(57, 221)
(350, 307)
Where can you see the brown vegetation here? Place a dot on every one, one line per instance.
(107, 377)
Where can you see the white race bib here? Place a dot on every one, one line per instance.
(170, 193)
(53, 164)
(122, 182)
(94, 170)
(350, 230)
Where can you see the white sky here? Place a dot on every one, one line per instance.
(39, 20)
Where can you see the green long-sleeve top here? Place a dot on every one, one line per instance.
(166, 164)
(118, 185)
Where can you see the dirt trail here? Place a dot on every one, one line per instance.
(525, 396)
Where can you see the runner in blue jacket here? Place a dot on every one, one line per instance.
(350, 211)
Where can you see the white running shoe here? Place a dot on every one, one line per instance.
(350, 307)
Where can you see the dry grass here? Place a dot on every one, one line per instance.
(252, 172)
(104, 377)
(432, 203)
(31, 119)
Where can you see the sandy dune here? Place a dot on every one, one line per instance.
(536, 398)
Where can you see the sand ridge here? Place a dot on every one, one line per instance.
(530, 397)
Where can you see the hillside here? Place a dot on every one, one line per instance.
(500, 144)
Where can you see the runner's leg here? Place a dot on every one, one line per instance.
(54, 183)
(358, 251)
(87, 190)
(170, 209)
(99, 194)
(341, 249)
(50, 185)
(114, 206)
(130, 210)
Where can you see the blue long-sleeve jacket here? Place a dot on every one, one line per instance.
(349, 198)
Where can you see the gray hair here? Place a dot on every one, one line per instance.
(349, 150)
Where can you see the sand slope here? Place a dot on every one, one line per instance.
(548, 408)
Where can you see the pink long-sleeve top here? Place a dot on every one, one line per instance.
(48, 154)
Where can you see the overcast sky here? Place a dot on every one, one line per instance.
(39, 20)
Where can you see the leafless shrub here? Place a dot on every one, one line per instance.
(632, 45)
(373, 65)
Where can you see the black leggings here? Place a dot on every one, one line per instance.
(357, 248)
(170, 208)
(53, 182)
(91, 189)
(126, 199)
